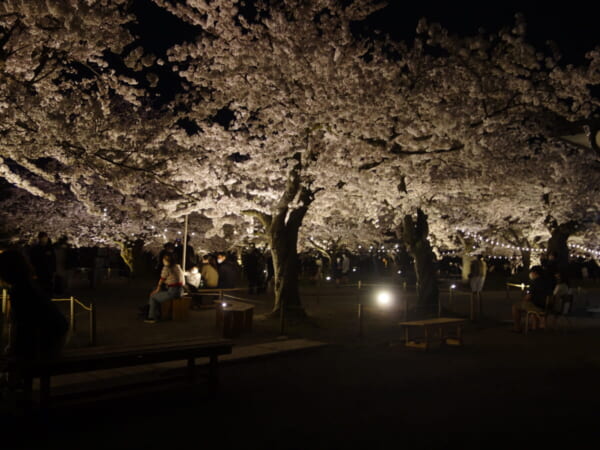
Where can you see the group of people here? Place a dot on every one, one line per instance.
(211, 273)
(548, 287)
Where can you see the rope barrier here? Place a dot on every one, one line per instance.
(87, 308)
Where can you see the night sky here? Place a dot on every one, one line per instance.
(572, 25)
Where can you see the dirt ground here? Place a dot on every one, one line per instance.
(499, 389)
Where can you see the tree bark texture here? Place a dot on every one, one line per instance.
(557, 243)
(415, 236)
(282, 229)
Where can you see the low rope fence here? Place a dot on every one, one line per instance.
(73, 302)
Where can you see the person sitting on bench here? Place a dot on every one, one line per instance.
(535, 298)
(193, 280)
(172, 277)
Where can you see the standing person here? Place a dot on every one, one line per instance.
(62, 252)
(227, 271)
(39, 329)
(345, 267)
(251, 260)
(477, 274)
(43, 260)
(190, 255)
(172, 277)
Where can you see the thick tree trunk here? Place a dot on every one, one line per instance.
(285, 265)
(282, 231)
(557, 244)
(415, 235)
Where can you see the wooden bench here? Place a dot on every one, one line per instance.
(101, 358)
(431, 328)
(177, 309)
(233, 317)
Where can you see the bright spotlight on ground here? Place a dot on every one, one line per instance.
(328, 278)
(384, 298)
(453, 286)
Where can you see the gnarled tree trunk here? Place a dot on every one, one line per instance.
(557, 244)
(415, 236)
(281, 230)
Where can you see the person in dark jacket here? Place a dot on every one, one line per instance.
(227, 271)
(39, 329)
(535, 298)
(43, 260)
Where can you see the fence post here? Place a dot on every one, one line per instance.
(72, 314)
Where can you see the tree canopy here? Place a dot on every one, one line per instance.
(277, 107)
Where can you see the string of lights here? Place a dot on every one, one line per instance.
(574, 247)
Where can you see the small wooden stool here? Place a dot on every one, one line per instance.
(177, 309)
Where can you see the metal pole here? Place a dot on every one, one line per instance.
(72, 315)
(450, 297)
(4, 301)
(439, 305)
(185, 233)
(360, 320)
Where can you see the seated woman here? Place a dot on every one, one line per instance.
(172, 277)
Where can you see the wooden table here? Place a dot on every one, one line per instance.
(437, 329)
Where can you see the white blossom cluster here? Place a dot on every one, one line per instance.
(465, 128)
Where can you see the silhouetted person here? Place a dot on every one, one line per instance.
(63, 255)
(227, 271)
(38, 328)
(252, 268)
(535, 298)
(43, 260)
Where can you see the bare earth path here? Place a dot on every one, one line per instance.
(353, 393)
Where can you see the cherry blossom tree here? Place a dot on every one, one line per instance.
(289, 124)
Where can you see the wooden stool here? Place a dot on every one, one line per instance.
(181, 308)
(177, 309)
(235, 318)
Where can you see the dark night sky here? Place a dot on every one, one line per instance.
(572, 25)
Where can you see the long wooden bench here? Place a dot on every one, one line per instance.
(432, 327)
(100, 358)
